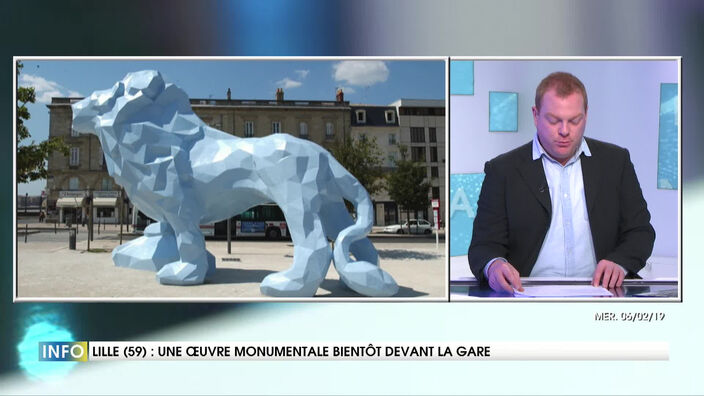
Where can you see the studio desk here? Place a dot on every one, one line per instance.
(659, 281)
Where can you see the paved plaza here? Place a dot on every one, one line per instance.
(47, 268)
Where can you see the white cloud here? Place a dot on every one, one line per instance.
(361, 73)
(302, 73)
(287, 83)
(45, 89)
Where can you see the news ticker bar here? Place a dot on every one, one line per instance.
(104, 350)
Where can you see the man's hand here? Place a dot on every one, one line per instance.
(609, 274)
(503, 277)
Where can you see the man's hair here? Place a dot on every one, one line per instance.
(563, 83)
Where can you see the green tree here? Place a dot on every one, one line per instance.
(31, 158)
(362, 158)
(407, 184)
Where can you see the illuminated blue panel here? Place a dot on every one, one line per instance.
(503, 112)
(464, 193)
(667, 140)
(279, 27)
(462, 77)
(28, 350)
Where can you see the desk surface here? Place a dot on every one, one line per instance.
(632, 288)
(463, 285)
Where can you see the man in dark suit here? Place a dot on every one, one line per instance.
(561, 205)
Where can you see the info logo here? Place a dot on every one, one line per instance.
(57, 351)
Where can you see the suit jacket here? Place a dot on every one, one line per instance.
(514, 210)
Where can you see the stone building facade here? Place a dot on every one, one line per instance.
(422, 126)
(381, 124)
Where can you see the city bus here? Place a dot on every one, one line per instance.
(140, 221)
(266, 221)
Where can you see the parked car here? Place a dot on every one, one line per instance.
(416, 226)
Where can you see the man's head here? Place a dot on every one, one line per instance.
(560, 114)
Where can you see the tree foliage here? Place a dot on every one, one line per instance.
(31, 158)
(362, 158)
(407, 184)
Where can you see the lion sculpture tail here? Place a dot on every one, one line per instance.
(364, 275)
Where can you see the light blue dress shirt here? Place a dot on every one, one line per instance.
(568, 249)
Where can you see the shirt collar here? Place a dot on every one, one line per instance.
(539, 151)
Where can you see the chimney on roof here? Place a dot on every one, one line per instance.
(340, 96)
(229, 94)
(279, 94)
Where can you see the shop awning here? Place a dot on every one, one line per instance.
(69, 202)
(105, 202)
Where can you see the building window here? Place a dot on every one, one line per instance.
(73, 184)
(391, 159)
(433, 154)
(361, 116)
(276, 127)
(432, 135)
(248, 128)
(418, 154)
(329, 130)
(390, 116)
(74, 159)
(417, 135)
(422, 111)
(434, 172)
(392, 138)
(390, 213)
(303, 130)
(106, 184)
(436, 192)
(74, 133)
(106, 212)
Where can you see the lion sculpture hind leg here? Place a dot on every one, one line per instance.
(363, 275)
(312, 218)
(311, 258)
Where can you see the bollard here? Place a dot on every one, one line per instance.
(26, 231)
(54, 228)
(72, 238)
(229, 235)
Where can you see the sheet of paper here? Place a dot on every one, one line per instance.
(563, 291)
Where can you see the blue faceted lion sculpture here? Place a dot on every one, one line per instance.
(183, 173)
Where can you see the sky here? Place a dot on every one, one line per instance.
(377, 82)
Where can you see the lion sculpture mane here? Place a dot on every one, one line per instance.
(183, 173)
